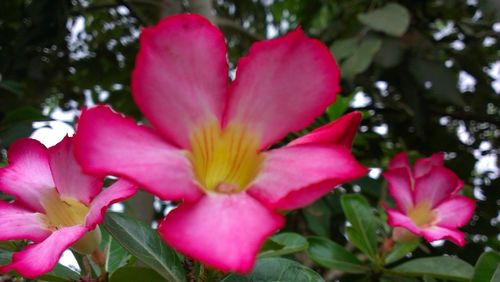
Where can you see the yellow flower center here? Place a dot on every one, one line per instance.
(63, 211)
(422, 214)
(227, 160)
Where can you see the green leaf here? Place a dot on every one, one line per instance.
(362, 233)
(116, 257)
(60, 273)
(400, 250)
(287, 243)
(343, 48)
(444, 81)
(392, 19)
(361, 58)
(445, 267)
(318, 217)
(332, 255)
(390, 53)
(144, 243)
(486, 266)
(133, 274)
(341, 105)
(277, 269)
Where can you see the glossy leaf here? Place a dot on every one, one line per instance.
(486, 266)
(392, 19)
(400, 250)
(144, 243)
(116, 256)
(133, 274)
(444, 267)
(283, 244)
(277, 269)
(362, 231)
(332, 255)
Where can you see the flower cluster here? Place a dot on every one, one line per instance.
(209, 149)
(426, 199)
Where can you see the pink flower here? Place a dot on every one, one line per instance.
(56, 206)
(426, 199)
(208, 145)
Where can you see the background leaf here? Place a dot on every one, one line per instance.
(486, 267)
(332, 255)
(392, 19)
(283, 244)
(445, 267)
(134, 274)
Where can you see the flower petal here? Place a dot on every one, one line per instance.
(180, 75)
(68, 175)
(340, 132)
(224, 231)
(282, 85)
(435, 233)
(17, 223)
(399, 180)
(455, 212)
(424, 165)
(312, 169)
(399, 160)
(28, 175)
(109, 143)
(435, 186)
(39, 258)
(119, 191)
(397, 219)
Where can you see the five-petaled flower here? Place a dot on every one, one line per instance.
(57, 206)
(426, 199)
(207, 147)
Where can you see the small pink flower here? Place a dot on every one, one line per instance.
(56, 206)
(208, 145)
(426, 199)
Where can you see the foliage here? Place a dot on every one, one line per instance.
(405, 60)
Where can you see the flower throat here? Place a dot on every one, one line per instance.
(227, 160)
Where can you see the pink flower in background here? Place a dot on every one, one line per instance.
(56, 206)
(207, 147)
(426, 199)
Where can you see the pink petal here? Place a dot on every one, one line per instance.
(424, 165)
(455, 211)
(340, 132)
(109, 143)
(180, 75)
(68, 175)
(435, 186)
(17, 223)
(224, 231)
(308, 171)
(399, 180)
(399, 160)
(28, 175)
(282, 85)
(39, 258)
(119, 191)
(435, 233)
(397, 219)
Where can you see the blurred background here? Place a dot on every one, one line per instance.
(425, 74)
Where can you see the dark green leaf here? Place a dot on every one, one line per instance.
(134, 274)
(288, 243)
(343, 48)
(443, 267)
(341, 105)
(60, 273)
(362, 233)
(392, 19)
(486, 266)
(400, 250)
(332, 255)
(144, 243)
(390, 53)
(117, 256)
(277, 269)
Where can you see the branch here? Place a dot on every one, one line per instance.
(230, 24)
